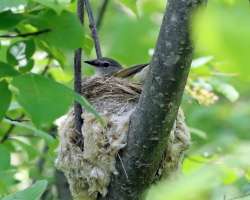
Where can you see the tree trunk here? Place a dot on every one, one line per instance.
(153, 119)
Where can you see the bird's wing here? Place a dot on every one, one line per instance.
(124, 73)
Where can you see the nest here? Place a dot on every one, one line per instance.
(89, 171)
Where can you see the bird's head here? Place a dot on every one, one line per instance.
(105, 66)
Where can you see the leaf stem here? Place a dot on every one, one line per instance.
(10, 129)
(23, 35)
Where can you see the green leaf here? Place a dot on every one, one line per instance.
(66, 30)
(9, 19)
(226, 89)
(201, 134)
(199, 62)
(7, 180)
(5, 98)
(131, 4)
(4, 158)
(88, 107)
(7, 70)
(33, 193)
(9, 4)
(48, 138)
(45, 100)
(56, 5)
(20, 52)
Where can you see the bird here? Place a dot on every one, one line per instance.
(110, 67)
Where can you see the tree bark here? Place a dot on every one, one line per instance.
(153, 119)
(62, 186)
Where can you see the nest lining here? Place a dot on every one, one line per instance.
(88, 172)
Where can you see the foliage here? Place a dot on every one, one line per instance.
(37, 42)
(33, 192)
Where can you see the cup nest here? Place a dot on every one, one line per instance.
(88, 171)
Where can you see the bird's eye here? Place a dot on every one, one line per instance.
(105, 64)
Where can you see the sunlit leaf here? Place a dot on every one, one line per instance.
(33, 193)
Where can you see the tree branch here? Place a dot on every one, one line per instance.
(23, 35)
(153, 119)
(101, 13)
(92, 27)
(77, 80)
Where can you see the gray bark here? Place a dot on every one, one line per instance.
(62, 186)
(152, 121)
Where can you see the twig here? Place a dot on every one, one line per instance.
(101, 13)
(10, 129)
(92, 27)
(17, 120)
(123, 167)
(23, 35)
(46, 68)
(77, 80)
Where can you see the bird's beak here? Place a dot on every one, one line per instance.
(94, 63)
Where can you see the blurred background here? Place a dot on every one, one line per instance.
(216, 100)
